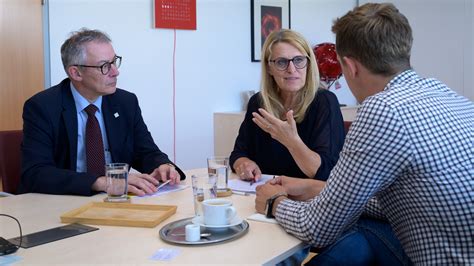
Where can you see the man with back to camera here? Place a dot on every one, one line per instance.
(57, 154)
(408, 157)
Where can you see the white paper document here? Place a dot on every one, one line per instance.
(261, 218)
(168, 189)
(244, 186)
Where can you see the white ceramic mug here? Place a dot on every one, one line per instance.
(218, 211)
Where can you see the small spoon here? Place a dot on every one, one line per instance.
(202, 235)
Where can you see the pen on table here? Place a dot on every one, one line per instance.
(163, 184)
(240, 193)
(252, 182)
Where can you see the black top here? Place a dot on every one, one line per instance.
(322, 130)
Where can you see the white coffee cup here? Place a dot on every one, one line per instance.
(218, 211)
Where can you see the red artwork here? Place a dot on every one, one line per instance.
(329, 68)
(175, 14)
(271, 20)
(267, 16)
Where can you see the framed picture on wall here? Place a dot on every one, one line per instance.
(266, 17)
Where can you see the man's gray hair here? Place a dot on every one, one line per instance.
(73, 50)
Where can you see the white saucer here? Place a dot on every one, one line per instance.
(199, 220)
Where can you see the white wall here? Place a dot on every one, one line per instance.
(443, 40)
(468, 50)
(212, 63)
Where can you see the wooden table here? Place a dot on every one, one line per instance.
(264, 244)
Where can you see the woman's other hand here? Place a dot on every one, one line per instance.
(284, 132)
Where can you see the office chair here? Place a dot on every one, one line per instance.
(347, 125)
(10, 159)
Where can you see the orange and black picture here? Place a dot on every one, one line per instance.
(271, 20)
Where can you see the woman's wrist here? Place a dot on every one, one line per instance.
(296, 144)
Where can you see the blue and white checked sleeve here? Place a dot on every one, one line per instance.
(375, 151)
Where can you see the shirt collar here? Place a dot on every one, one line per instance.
(401, 78)
(82, 102)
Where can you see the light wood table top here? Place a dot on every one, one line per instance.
(264, 243)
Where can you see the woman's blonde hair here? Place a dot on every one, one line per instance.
(269, 90)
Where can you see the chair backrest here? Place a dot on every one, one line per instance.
(10, 159)
(347, 125)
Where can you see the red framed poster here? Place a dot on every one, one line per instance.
(175, 14)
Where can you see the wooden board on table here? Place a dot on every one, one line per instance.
(119, 214)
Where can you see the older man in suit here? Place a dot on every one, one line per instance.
(60, 124)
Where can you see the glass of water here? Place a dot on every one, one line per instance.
(117, 182)
(204, 187)
(219, 167)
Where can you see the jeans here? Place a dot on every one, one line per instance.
(368, 242)
(296, 259)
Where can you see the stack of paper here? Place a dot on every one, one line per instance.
(246, 186)
(167, 189)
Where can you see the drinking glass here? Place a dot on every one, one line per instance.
(219, 167)
(117, 182)
(204, 187)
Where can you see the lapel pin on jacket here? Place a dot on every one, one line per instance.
(116, 115)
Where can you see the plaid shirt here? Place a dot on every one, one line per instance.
(408, 157)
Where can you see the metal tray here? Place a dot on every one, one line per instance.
(174, 233)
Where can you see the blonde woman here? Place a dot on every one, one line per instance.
(291, 128)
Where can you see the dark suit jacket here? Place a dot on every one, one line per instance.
(49, 149)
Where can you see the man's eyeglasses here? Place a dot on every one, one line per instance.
(282, 63)
(105, 67)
